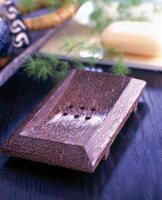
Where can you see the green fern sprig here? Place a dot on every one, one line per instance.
(120, 67)
(41, 68)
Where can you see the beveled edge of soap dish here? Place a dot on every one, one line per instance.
(114, 122)
(84, 157)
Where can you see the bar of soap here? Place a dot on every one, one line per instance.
(140, 38)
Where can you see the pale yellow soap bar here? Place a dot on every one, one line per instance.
(140, 38)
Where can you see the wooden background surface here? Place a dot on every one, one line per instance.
(132, 171)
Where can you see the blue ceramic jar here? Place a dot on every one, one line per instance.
(5, 37)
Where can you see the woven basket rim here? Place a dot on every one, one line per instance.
(27, 16)
(55, 17)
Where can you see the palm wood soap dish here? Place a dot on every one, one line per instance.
(75, 125)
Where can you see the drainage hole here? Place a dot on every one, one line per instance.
(70, 106)
(76, 116)
(87, 118)
(82, 108)
(65, 114)
(93, 109)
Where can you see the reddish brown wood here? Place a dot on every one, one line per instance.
(76, 124)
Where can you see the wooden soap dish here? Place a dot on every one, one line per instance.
(76, 123)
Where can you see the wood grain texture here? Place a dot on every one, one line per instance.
(76, 124)
(132, 170)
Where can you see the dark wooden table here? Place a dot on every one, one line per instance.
(132, 171)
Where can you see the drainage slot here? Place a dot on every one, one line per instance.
(93, 109)
(70, 106)
(87, 118)
(76, 116)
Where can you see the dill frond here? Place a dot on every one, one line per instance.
(120, 68)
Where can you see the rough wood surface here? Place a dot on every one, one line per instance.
(132, 170)
(76, 124)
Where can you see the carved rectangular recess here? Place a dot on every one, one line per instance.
(75, 125)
